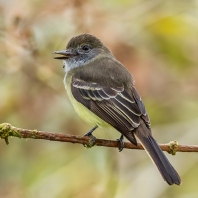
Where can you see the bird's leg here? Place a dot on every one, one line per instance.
(92, 138)
(121, 140)
(89, 133)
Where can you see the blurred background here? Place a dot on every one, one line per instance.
(156, 40)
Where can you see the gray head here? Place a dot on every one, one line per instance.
(81, 50)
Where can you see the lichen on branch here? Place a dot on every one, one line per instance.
(7, 130)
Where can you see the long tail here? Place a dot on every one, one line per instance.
(167, 171)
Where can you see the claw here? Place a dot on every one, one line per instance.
(91, 142)
(92, 139)
(121, 143)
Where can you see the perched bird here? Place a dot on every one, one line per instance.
(102, 92)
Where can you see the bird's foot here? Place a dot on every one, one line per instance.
(121, 140)
(92, 139)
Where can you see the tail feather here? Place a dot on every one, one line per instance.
(167, 171)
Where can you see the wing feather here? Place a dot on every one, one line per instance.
(113, 105)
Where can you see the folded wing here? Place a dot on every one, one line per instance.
(113, 104)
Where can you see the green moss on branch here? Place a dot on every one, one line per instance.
(7, 130)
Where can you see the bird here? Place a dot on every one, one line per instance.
(102, 92)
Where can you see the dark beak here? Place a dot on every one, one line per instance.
(65, 54)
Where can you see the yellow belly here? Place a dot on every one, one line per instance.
(81, 110)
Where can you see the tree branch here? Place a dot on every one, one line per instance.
(7, 130)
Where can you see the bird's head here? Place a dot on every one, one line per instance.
(80, 50)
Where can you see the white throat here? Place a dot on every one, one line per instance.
(72, 63)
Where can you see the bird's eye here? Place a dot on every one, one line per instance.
(85, 47)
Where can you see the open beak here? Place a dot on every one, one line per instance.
(65, 54)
